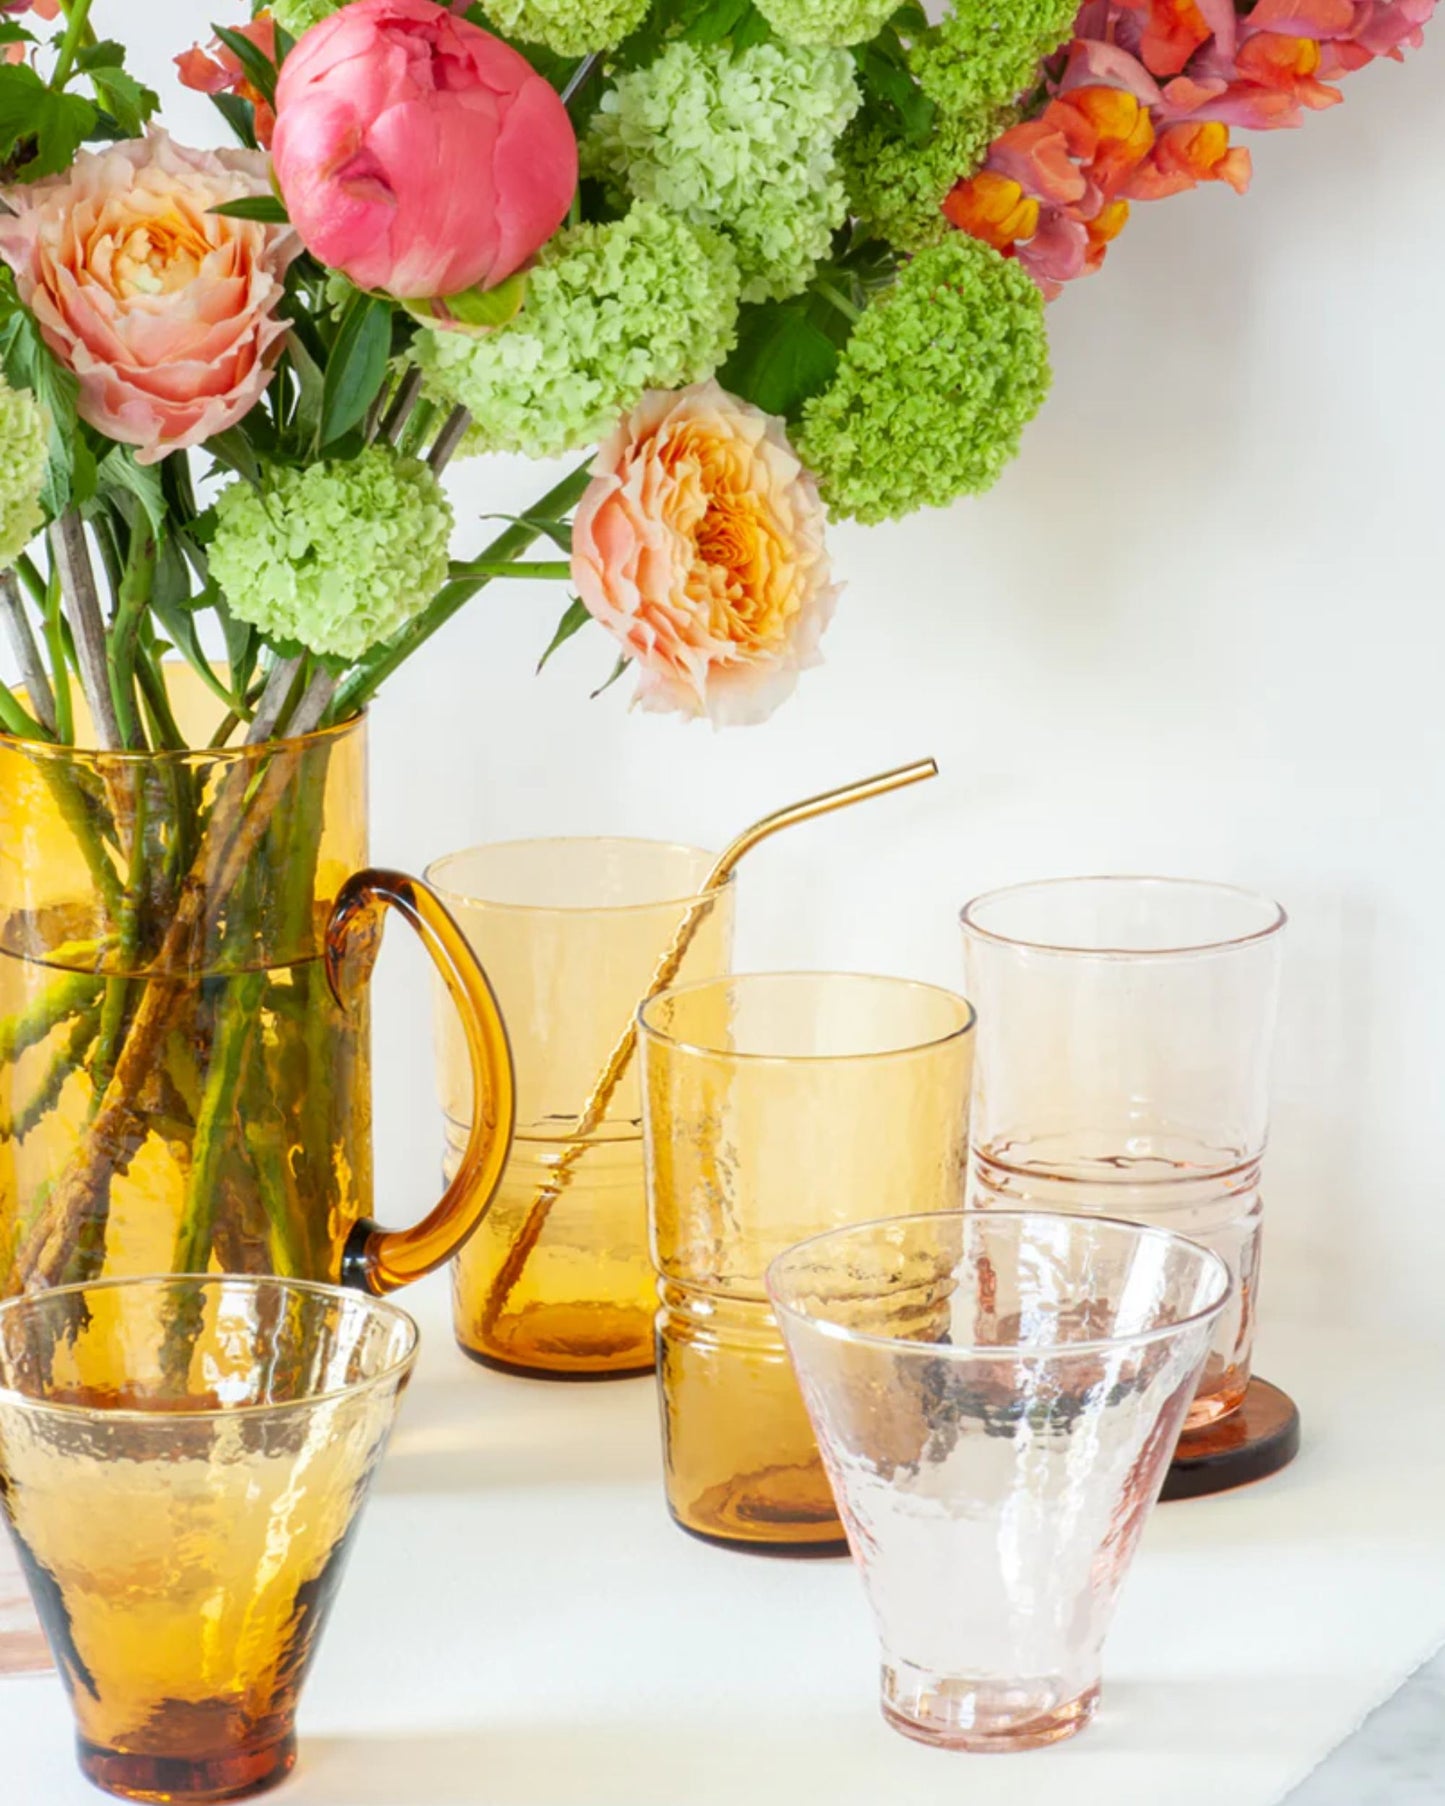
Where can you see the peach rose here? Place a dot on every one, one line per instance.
(165, 311)
(699, 546)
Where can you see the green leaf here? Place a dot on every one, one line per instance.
(172, 606)
(783, 356)
(356, 367)
(717, 20)
(572, 622)
(285, 44)
(13, 32)
(259, 70)
(264, 207)
(233, 450)
(240, 115)
(751, 29)
(106, 53)
(33, 114)
(119, 472)
(30, 364)
(890, 91)
(558, 531)
(617, 671)
(129, 102)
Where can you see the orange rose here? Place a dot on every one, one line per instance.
(699, 546)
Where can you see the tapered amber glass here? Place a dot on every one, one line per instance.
(182, 1462)
(558, 1281)
(777, 1106)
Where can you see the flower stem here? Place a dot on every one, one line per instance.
(55, 640)
(27, 654)
(361, 684)
(77, 12)
(554, 572)
(82, 600)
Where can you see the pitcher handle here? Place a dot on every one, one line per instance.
(381, 1260)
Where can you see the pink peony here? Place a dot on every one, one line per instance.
(417, 153)
(165, 311)
(699, 546)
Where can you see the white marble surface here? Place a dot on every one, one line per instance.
(1397, 1758)
(522, 1626)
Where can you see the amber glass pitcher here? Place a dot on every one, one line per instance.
(185, 944)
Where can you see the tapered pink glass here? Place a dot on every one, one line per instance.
(1125, 1033)
(996, 1395)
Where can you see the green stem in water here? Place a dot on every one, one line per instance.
(361, 685)
(64, 997)
(115, 1010)
(47, 1093)
(214, 1124)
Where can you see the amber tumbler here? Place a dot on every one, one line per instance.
(557, 1281)
(182, 1464)
(778, 1106)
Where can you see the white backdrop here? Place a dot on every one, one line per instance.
(1197, 629)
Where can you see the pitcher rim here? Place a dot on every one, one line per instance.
(63, 750)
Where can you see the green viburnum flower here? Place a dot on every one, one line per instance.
(935, 386)
(297, 16)
(742, 141)
(24, 436)
(986, 53)
(338, 555)
(897, 187)
(645, 302)
(570, 27)
(836, 22)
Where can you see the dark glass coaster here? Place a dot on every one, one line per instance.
(1257, 1440)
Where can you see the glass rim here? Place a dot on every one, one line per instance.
(431, 875)
(683, 1045)
(1021, 1351)
(213, 1413)
(972, 926)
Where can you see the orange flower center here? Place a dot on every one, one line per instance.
(158, 257)
(741, 576)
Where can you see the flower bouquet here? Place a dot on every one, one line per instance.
(778, 259)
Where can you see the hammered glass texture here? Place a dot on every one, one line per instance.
(1125, 1033)
(777, 1106)
(182, 1463)
(997, 1396)
(558, 1280)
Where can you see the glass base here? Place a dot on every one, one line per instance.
(807, 1550)
(961, 1713)
(519, 1369)
(182, 1779)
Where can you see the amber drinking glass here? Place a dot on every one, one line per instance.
(997, 1395)
(182, 1464)
(1125, 1033)
(558, 1281)
(776, 1106)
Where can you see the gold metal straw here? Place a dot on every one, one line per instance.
(668, 966)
